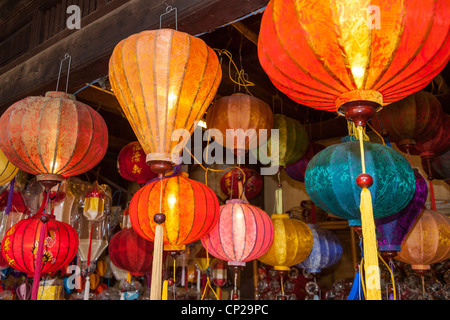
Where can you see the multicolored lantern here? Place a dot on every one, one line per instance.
(427, 242)
(253, 183)
(7, 170)
(411, 119)
(329, 180)
(132, 165)
(245, 118)
(297, 169)
(354, 58)
(392, 230)
(291, 145)
(129, 251)
(164, 80)
(326, 250)
(53, 137)
(190, 207)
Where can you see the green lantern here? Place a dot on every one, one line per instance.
(293, 142)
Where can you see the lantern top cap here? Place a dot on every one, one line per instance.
(59, 94)
(231, 201)
(280, 216)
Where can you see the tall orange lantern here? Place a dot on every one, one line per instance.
(354, 57)
(164, 80)
(243, 116)
(427, 242)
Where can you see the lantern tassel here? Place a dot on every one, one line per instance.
(371, 268)
(155, 292)
(87, 287)
(165, 290)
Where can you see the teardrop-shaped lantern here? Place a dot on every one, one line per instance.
(291, 145)
(244, 117)
(164, 80)
(53, 137)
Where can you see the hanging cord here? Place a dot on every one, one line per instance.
(208, 282)
(240, 74)
(430, 178)
(66, 56)
(377, 133)
(392, 275)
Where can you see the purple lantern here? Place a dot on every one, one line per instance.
(297, 170)
(392, 230)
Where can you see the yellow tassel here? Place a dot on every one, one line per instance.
(165, 290)
(371, 268)
(128, 277)
(155, 291)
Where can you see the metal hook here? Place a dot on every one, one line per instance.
(169, 9)
(66, 56)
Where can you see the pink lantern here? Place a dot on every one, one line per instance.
(244, 233)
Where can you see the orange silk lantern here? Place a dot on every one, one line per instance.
(354, 57)
(243, 116)
(427, 242)
(191, 209)
(53, 137)
(164, 80)
(335, 51)
(132, 165)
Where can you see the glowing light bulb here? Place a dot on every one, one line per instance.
(358, 71)
(172, 200)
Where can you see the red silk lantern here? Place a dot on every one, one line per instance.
(131, 252)
(411, 119)
(20, 244)
(244, 233)
(53, 137)
(191, 209)
(340, 50)
(245, 116)
(252, 186)
(131, 164)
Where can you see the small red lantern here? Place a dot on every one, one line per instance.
(131, 164)
(131, 252)
(253, 183)
(20, 244)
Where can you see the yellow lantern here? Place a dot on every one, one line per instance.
(7, 170)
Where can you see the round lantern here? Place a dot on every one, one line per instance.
(427, 242)
(20, 244)
(330, 180)
(326, 250)
(131, 252)
(53, 137)
(292, 243)
(7, 170)
(131, 164)
(291, 145)
(411, 119)
(328, 53)
(252, 186)
(392, 230)
(243, 233)
(191, 209)
(441, 167)
(241, 118)
(164, 80)
(297, 169)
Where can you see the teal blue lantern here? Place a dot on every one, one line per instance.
(331, 174)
